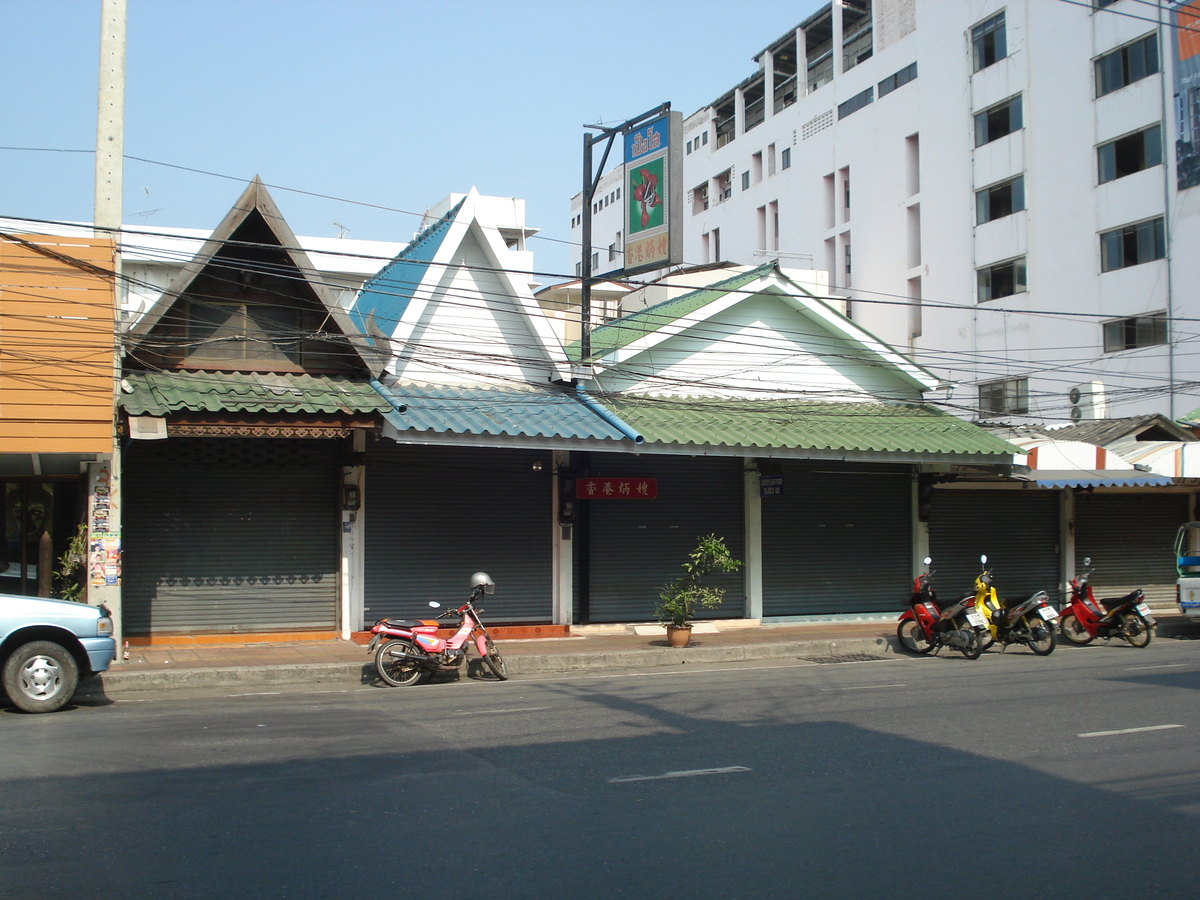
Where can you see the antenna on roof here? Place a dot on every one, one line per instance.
(342, 229)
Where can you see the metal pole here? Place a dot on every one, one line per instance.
(585, 268)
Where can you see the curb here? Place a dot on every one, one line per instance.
(118, 682)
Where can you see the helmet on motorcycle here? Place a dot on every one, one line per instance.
(484, 579)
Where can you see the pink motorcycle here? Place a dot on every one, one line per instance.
(408, 651)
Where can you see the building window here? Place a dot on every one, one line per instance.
(596, 261)
(1127, 64)
(612, 252)
(1001, 280)
(1132, 245)
(746, 180)
(724, 185)
(785, 158)
(1129, 154)
(988, 43)
(699, 198)
(898, 79)
(855, 103)
(1140, 331)
(689, 147)
(997, 121)
(1100, 4)
(1008, 397)
(1000, 200)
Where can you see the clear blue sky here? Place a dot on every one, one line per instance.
(385, 102)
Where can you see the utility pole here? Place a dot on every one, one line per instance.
(104, 476)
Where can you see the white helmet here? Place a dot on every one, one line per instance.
(483, 578)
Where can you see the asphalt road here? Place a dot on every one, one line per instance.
(1013, 776)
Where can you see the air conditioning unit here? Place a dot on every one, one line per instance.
(1088, 401)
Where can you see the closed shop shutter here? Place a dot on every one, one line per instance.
(637, 546)
(435, 515)
(1130, 539)
(229, 535)
(837, 543)
(1017, 530)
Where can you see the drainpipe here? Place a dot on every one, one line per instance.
(607, 416)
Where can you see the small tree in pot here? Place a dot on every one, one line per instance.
(678, 600)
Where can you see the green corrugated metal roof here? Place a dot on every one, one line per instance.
(804, 424)
(160, 393)
(627, 329)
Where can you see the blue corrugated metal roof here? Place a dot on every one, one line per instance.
(1083, 478)
(517, 411)
(382, 301)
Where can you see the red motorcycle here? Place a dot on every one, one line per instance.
(408, 651)
(1086, 619)
(926, 627)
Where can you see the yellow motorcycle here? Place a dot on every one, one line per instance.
(1026, 620)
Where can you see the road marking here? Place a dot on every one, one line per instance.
(256, 694)
(689, 773)
(1164, 666)
(688, 670)
(1127, 730)
(488, 712)
(864, 687)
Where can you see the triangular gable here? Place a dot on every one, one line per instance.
(255, 200)
(436, 277)
(615, 345)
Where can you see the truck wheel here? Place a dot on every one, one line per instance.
(40, 676)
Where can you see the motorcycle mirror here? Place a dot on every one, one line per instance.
(1087, 560)
(435, 604)
(983, 559)
(928, 560)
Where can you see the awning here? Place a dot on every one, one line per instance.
(1084, 478)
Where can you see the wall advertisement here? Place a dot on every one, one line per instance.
(1186, 41)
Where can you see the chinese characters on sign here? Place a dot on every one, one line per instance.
(616, 488)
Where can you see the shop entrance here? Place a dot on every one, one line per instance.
(41, 517)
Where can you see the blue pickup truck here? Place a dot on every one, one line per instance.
(46, 646)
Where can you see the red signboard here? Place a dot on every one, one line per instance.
(616, 488)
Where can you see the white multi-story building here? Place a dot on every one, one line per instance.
(1001, 189)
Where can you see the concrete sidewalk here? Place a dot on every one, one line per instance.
(345, 662)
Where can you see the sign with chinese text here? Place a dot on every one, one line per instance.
(653, 196)
(616, 488)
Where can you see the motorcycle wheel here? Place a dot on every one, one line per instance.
(1041, 635)
(1131, 623)
(912, 638)
(974, 644)
(988, 639)
(494, 660)
(398, 672)
(1073, 631)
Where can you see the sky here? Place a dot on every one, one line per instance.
(369, 103)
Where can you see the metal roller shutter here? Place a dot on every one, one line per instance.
(1017, 530)
(637, 546)
(837, 543)
(1130, 539)
(227, 535)
(435, 515)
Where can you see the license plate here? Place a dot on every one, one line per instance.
(1143, 609)
(976, 620)
(1048, 612)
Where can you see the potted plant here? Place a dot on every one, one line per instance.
(678, 600)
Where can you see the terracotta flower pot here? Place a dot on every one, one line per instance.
(679, 635)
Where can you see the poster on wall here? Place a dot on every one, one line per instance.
(1186, 41)
(653, 197)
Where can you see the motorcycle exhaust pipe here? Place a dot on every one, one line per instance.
(412, 657)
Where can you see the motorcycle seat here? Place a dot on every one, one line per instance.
(1010, 602)
(1114, 602)
(406, 623)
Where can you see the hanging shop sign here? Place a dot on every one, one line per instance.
(616, 488)
(653, 194)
